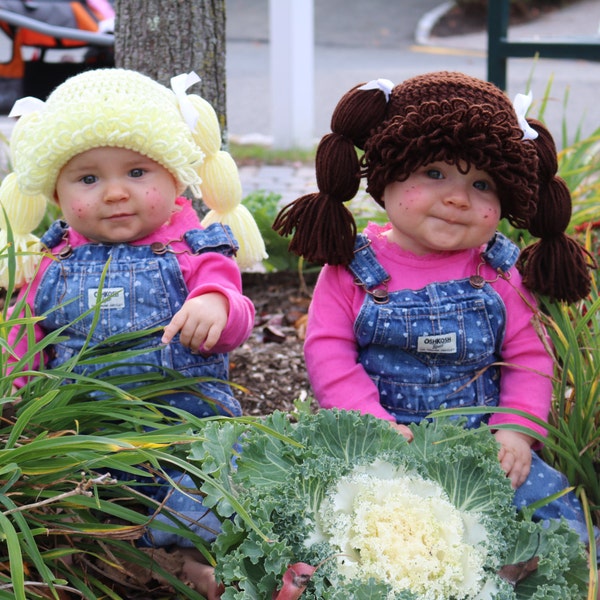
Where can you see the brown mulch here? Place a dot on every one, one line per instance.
(269, 366)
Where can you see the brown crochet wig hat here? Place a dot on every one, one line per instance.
(442, 116)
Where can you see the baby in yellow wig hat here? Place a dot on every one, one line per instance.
(115, 149)
(121, 109)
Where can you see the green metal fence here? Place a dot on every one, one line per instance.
(500, 49)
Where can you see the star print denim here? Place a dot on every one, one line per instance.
(143, 288)
(434, 348)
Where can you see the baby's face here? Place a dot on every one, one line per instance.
(439, 209)
(115, 195)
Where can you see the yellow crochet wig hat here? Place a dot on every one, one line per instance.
(124, 109)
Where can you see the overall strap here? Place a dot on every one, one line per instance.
(365, 267)
(55, 234)
(215, 238)
(501, 253)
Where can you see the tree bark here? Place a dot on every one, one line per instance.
(163, 38)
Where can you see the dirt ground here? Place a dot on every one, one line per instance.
(269, 367)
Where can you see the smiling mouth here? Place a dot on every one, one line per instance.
(119, 216)
(450, 220)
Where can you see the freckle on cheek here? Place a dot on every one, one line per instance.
(79, 209)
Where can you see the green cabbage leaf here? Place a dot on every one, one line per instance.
(379, 517)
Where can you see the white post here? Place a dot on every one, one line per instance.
(291, 24)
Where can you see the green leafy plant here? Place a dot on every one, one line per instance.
(264, 207)
(64, 518)
(575, 447)
(376, 516)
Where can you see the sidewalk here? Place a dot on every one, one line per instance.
(579, 19)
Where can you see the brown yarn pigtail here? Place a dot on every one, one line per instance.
(556, 266)
(322, 228)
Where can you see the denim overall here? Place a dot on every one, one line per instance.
(143, 289)
(434, 348)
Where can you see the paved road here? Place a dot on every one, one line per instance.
(358, 40)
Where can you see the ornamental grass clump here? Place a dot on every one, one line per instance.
(76, 448)
(373, 516)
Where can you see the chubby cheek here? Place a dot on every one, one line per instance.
(409, 202)
(401, 198)
(490, 214)
(78, 209)
(155, 202)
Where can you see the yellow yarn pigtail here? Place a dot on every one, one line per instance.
(24, 214)
(221, 187)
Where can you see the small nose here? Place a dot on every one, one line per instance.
(115, 192)
(457, 196)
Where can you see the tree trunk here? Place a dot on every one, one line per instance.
(163, 38)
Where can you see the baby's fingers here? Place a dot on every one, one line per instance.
(212, 337)
(171, 330)
(403, 430)
(194, 337)
(507, 461)
(517, 475)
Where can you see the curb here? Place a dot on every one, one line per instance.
(428, 21)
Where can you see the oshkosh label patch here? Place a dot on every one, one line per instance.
(444, 343)
(111, 297)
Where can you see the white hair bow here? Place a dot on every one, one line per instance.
(179, 85)
(521, 105)
(385, 85)
(26, 106)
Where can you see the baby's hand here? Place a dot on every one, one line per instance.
(200, 322)
(514, 455)
(403, 430)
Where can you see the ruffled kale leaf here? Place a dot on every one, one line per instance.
(268, 480)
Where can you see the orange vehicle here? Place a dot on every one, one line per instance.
(77, 33)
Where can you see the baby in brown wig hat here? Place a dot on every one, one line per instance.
(435, 308)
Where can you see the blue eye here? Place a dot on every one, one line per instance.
(136, 172)
(434, 174)
(89, 179)
(483, 186)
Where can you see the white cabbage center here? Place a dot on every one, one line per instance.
(405, 532)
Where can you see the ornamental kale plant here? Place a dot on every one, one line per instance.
(375, 516)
